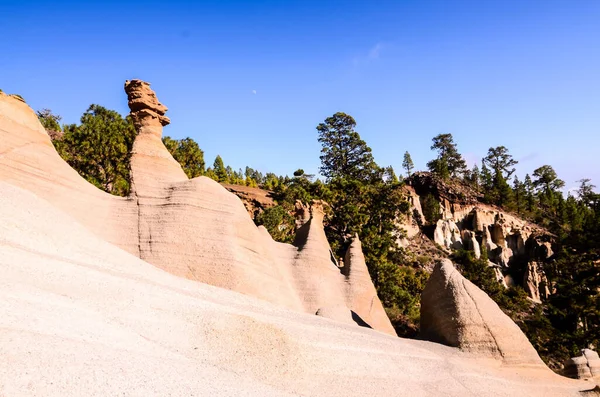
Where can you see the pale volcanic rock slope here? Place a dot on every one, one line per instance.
(80, 316)
(191, 228)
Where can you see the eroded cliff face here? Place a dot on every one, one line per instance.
(516, 248)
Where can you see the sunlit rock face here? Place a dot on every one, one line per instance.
(457, 313)
(191, 228)
(514, 246)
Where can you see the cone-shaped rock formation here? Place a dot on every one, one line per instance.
(457, 313)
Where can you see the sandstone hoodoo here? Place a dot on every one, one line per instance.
(193, 228)
(457, 313)
(174, 291)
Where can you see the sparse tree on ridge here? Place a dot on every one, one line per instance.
(407, 163)
(449, 162)
(344, 153)
(586, 191)
(473, 177)
(499, 160)
(546, 181)
(390, 175)
(49, 120)
(219, 169)
(502, 165)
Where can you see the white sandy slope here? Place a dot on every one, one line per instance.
(81, 317)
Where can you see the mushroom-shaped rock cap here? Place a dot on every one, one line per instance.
(143, 102)
(457, 313)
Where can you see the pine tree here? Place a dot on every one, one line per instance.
(520, 195)
(49, 120)
(219, 170)
(530, 200)
(449, 162)
(407, 163)
(188, 154)
(502, 167)
(547, 185)
(487, 184)
(344, 154)
(498, 160)
(390, 175)
(100, 149)
(503, 192)
(473, 178)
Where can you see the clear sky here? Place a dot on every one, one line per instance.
(250, 80)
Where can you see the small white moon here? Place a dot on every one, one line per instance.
(254, 92)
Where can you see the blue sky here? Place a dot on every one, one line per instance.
(251, 80)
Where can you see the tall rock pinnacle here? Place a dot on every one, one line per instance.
(146, 110)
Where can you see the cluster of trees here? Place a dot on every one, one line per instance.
(367, 200)
(99, 148)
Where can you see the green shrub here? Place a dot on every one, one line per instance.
(278, 222)
(399, 288)
(431, 209)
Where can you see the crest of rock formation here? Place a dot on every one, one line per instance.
(145, 108)
(457, 313)
(191, 228)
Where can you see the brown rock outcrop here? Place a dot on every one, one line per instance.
(255, 200)
(466, 223)
(144, 105)
(457, 313)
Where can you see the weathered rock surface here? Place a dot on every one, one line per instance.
(79, 316)
(457, 313)
(469, 224)
(144, 105)
(190, 228)
(535, 282)
(585, 366)
(447, 234)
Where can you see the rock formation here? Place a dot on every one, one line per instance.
(80, 316)
(535, 282)
(466, 223)
(255, 200)
(190, 228)
(457, 313)
(586, 366)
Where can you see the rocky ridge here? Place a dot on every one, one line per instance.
(515, 248)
